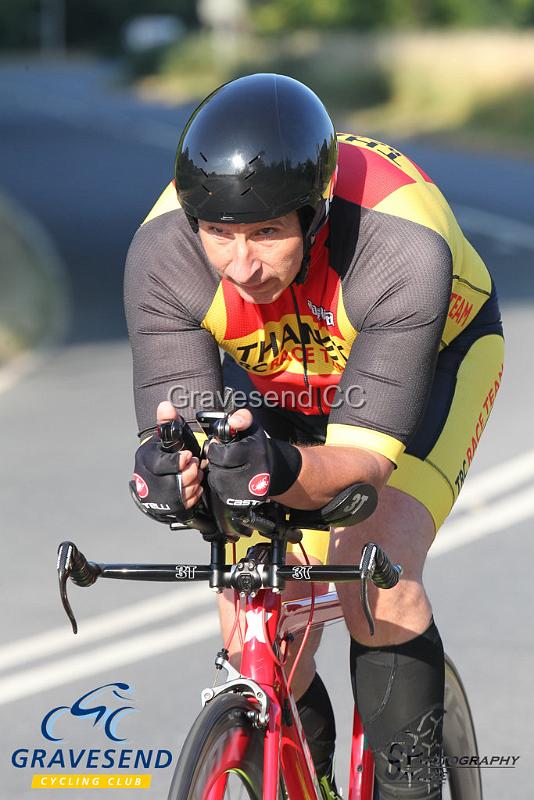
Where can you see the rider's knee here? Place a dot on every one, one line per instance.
(399, 613)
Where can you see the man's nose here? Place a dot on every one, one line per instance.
(245, 264)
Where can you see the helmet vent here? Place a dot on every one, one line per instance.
(249, 175)
(206, 189)
(252, 160)
(204, 157)
(248, 189)
(204, 172)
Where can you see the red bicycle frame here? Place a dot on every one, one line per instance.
(268, 620)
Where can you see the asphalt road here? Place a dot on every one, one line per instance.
(87, 159)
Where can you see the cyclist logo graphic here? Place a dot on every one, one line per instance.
(85, 706)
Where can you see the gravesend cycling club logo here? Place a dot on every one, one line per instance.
(259, 484)
(90, 707)
(103, 710)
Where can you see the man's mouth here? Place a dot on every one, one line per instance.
(255, 288)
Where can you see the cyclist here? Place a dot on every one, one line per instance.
(364, 333)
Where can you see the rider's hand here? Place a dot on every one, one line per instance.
(166, 483)
(191, 475)
(245, 472)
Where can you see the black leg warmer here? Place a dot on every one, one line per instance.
(398, 691)
(317, 717)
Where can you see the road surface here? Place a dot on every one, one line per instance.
(87, 159)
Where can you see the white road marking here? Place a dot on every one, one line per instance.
(124, 651)
(493, 482)
(498, 516)
(117, 622)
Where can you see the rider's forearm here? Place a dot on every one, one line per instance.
(328, 469)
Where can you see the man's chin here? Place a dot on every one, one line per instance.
(260, 297)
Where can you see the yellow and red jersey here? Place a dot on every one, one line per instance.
(392, 281)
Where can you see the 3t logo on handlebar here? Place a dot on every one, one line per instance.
(185, 572)
(301, 573)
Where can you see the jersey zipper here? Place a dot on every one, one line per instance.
(299, 321)
(319, 403)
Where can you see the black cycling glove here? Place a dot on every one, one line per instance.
(247, 471)
(156, 484)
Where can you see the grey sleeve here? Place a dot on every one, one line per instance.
(397, 296)
(167, 289)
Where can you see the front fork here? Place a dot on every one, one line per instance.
(263, 679)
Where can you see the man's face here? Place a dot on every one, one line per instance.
(259, 258)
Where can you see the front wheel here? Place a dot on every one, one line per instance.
(222, 758)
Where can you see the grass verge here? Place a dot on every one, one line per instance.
(477, 86)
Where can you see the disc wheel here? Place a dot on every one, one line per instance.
(459, 739)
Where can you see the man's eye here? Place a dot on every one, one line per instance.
(266, 231)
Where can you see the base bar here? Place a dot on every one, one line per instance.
(335, 573)
(157, 572)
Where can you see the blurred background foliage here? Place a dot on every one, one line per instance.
(97, 23)
(278, 15)
(407, 66)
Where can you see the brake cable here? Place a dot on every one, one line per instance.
(308, 624)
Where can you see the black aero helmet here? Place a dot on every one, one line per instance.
(255, 149)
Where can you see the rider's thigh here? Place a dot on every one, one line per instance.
(423, 489)
(405, 530)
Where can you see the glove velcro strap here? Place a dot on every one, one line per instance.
(286, 466)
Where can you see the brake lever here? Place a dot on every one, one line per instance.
(367, 568)
(64, 570)
(364, 598)
(73, 564)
